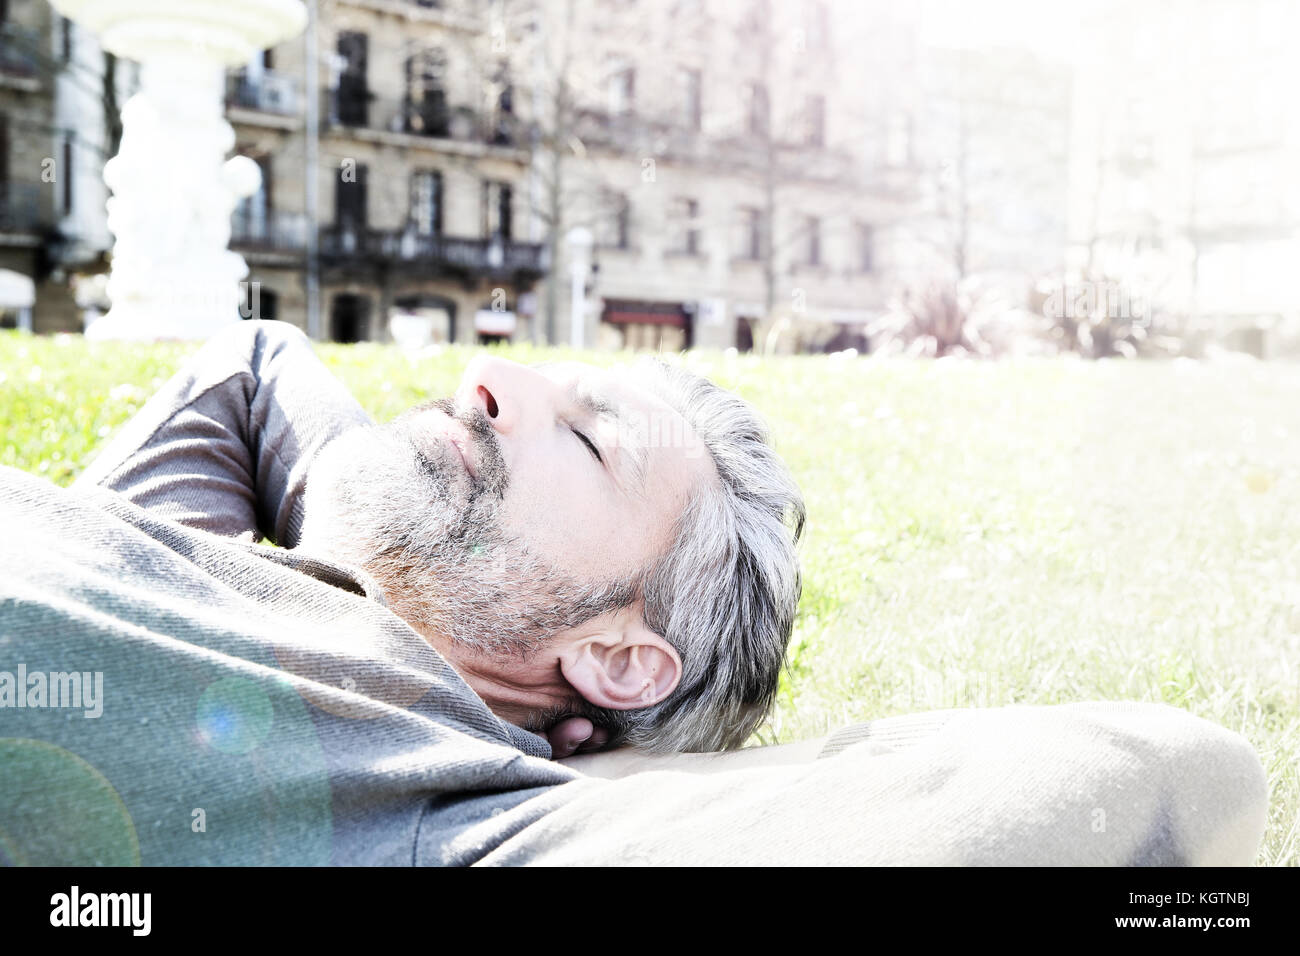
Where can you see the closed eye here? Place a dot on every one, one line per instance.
(591, 447)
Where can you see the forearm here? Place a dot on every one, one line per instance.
(226, 444)
(892, 734)
(613, 764)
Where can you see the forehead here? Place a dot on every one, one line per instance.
(611, 392)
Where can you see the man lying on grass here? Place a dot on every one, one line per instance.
(604, 557)
(555, 559)
(617, 549)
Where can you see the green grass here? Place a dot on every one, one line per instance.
(979, 533)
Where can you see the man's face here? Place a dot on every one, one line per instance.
(598, 468)
(499, 519)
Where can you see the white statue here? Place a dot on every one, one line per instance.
(173, 188)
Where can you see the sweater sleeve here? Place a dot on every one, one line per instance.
(225, 445)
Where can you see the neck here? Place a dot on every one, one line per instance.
(516, 690)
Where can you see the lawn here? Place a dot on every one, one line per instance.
(979, 533)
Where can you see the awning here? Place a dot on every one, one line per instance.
(490, 322)
(848, 316)
(631, 312)
(17, 291)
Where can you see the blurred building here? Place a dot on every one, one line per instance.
(419, 218)
(651, 174)
(57, 128)
(417, 211)
(732, 163)
(1187, 140)
(736, 175)
(993, 130)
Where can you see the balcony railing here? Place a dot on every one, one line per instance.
(272, 231)
(18, 46)
(474, 256)
(420, 4)
(267, 93)
(736, 149)
(20, 207)
(430, 116)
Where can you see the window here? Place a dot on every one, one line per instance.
(756, 109)
(4, 148)
(353, 95)
(686, 214)
(866, 247)
(502, 132)
(614, 230)
(505, 88)
(622, 87)
(692, 99)
(252, 215)
(66, 174)
(426, 202)
(65, 39)
(815, 121)
(427, 113)
(350, 318)
(812, 241)
(350, 199)
(751, 234)
(498, 210)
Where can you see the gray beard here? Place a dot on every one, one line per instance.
(387, 500)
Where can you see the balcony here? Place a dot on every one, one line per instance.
(739, 149)
(454, 13)
(631, 131)
(437, 254)
(18, 47)
(271, 231)
(269, 92)
(20, 209)
(432, 118)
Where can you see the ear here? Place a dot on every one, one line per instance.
(626, 666)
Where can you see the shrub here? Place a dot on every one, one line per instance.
(1100, 317)
(945, 317)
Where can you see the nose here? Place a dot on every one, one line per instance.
(509, 394)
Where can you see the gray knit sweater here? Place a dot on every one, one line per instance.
(254, 705)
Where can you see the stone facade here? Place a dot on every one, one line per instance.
(650, 174)
(411, 179)
(1183, 191)
(734, 176)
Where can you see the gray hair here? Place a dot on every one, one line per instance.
(724, 594)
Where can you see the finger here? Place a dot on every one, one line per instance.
(568, 735)
(599, 737)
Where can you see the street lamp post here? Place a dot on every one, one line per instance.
(173, 188)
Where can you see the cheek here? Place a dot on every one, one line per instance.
(565, 513)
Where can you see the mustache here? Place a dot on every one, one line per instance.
(493, 475)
